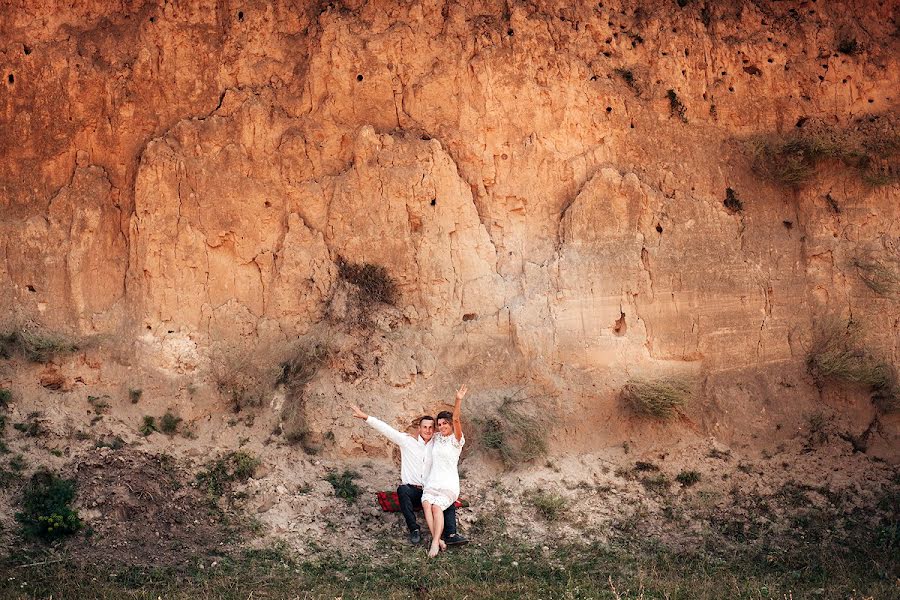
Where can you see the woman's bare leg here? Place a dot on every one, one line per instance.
(437, 517)
(429, 518)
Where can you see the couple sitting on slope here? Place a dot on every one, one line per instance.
(428, 472)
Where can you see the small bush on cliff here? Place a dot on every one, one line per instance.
(5, 398)
(35, 344)
(344, 486)
(169, 423)
(837, 354)
(148, 425)
(373, 281)
(297, 371)
(245, 374)
(676, 107)
(881, 275)
(661, 399)
(512, 434)
(46, 507)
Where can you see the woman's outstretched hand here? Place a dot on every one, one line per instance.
(358, 413)
(461, 392)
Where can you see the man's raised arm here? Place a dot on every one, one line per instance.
(381, 427)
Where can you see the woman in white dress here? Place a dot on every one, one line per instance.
(442, 476)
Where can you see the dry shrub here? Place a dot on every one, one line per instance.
(661, 399)
(881, 275)
(512, 433)
(34, 343)
(837, 354)
(373, 282)
(245, 374)
(869, 146)
(297, 370)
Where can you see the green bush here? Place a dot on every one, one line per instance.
(222, 472)
(661, 399)
(169, 422)
(343, 485)
(148, 425)
(5, 398)
(46, 512)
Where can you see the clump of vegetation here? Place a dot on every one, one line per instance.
(17, 463)
(870, 147)
(35, 344)
(33, 426)
(134, 394)
(732, 202)
(848, 46)
(513, 434)
(46, 507)
(5, 398)
(676, 107)
(169, 423)
(661, 399)
(98, 403)
(643, 466)
(374, 282)
(220, 474)
(303, 363)
(837, 355)
(881, 275)
(688, 478)
(627, 75)
(344, 486)
(111, 442)
(719, 454)
(148, 425)
(550, 506)
(657, 483)
(246, 375)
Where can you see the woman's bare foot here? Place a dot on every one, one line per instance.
(442, 544)
(433, 551)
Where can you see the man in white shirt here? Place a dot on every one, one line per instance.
(412, 474)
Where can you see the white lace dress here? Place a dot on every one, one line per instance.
(441, 474)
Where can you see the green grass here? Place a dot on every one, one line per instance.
(148, 425)
(661, 399)
(688, 478)
(344, 486)
(5, 398)
(494, 569)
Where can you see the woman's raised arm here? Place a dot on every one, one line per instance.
(457, 423)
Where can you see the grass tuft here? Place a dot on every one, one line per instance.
(882, 276)
(661, 399)
(549, 505)
(169, 423)
(344, 486)
(688, 478)
(374, 282)
(148, 425)
(220, 474)
(676, 107)
(35, 344)
(512, 434)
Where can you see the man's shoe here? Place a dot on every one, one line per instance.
(455, 539)
(415, 538)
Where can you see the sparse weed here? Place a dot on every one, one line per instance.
(881, 275)
(732, 202)
(513, 434)
(658, 483)
(111, 442)
(344, 486)
(661, 399)
(549, 505)
(719, 454)
(99, 404)
(221, 473)
(676, 107)
(33, 426)
(5, 398)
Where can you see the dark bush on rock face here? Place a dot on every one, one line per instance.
(374, 282)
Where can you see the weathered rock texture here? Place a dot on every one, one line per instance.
(544, 182)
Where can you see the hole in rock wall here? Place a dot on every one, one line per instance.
(11, 79)
(788, 225)
(620, 327)
(470, 317)
(658, 228)
(434, 201)
(359, 77)
(240, 15)
(26, 50)
(30, 288)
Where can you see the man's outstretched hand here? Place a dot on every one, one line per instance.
(358, 413)
(461, 392)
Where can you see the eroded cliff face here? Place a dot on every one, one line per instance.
(546, 185)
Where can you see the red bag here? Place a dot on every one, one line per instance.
(390, 502)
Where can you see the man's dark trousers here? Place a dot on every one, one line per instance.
(411, 499)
